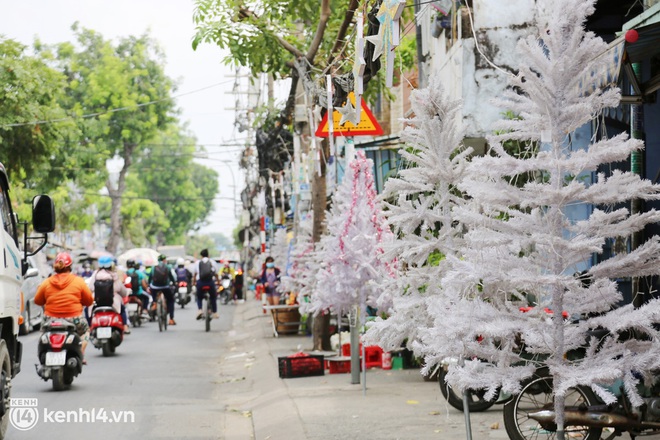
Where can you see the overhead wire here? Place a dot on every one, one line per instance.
(112, 110)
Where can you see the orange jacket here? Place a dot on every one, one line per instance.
(63, 295)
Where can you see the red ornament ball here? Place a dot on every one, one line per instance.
(632, 36)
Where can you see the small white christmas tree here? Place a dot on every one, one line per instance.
(523, 249)
(419, 204)
(299, 255)
(352, 247)
(280, 249)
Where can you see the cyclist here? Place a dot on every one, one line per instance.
(161, 279)
(205, 274)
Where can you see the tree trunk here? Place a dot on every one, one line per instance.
(115, 224)
(321, 324)
(321, 332)
(116, 195)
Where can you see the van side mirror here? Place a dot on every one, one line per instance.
(43, 214)
(31, 273)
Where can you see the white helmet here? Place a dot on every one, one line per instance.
(179, 261)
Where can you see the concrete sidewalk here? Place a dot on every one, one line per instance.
(397, 404)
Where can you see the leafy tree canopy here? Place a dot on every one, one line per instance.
(30, 93)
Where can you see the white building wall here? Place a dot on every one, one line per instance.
(466, 75)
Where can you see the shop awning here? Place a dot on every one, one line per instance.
(620, 56)
(646, 47)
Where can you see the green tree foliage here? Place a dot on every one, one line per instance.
(101, 100)
(144, 221)
(122, 98)
(183, 189)
(29, 94)
(195, 243)
(265, 38)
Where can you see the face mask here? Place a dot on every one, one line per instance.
(270, 264)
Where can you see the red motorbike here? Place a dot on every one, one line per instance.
(107, 329)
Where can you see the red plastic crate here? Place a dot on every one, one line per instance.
(301, 365)
(346, 349)
(340, 365)
(373, 356)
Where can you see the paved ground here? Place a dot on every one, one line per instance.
(396, 404)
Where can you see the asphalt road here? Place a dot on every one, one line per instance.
(156, 386)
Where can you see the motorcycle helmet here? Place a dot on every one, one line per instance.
(162, 257)
(105, 262)
(63, 259)
(130, 263)
(179, 262)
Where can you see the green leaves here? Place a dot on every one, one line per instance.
(29, 93)
(101, 101)
(184, 190)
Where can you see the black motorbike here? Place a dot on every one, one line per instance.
(476, 398)
(60, 354)
(530, 414)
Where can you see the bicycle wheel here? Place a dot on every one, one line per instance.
(164, 310)
(207, 313)
(159, 313)
(536, 396)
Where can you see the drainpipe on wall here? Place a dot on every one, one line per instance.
(421, 57)
(636, 167)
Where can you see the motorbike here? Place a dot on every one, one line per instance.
(531, 413)
(184, 294)
(133, 310)
(133, 305)
(225, 290)
(107, 330)
(476, 399)
(59, 352)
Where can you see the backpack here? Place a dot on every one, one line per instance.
(160, 275)
(181, 274)
(205, 270)
(104, 292)
(135, 282)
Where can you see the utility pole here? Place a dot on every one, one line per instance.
(248, 98)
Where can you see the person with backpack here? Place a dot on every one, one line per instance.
(108, 289)
(161, 279)
(205, 274)
(139, 284)
(182, 273)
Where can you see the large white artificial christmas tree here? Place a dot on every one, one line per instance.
(521, 247)
(352, 247)
(418, 205)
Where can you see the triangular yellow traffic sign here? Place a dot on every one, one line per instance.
(368, 125)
